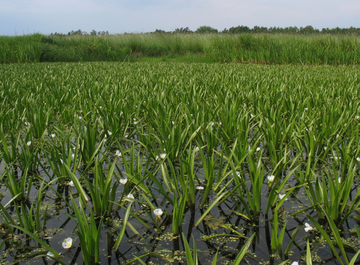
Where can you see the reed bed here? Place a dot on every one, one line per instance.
(240, 48)
(165, 163)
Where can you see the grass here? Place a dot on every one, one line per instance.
(209, 48)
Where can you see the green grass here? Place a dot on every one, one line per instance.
(235, 48)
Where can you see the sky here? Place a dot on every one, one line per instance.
(22, 17)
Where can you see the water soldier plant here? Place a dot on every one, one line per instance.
(128, 163)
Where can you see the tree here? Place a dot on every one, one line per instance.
(182, 30)
(257, 29)
(239, 29)
(308, 30)
(206, 29)
(160, 31)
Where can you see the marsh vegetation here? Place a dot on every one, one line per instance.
(160, 163)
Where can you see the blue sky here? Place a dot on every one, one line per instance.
(18, 17)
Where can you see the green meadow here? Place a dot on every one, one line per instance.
(140, 161)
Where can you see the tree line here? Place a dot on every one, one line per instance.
(235, 30)
(258, 29)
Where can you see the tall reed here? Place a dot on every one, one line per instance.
(238, 48)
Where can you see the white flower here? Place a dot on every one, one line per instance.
(53, 135)
(130, 197)
(67, 243)
(123, 181)
(100, 107)
(162, 156)
(118, 153)
(79, 117)
(72, 156)
(357, 117)
(339, 180)
(337, 136)
(306, 109)
(308, 228)
(199, 187)
(156, 157)
(158, 212)
(295, 263)
(282, 196)
(50, 255)
(271, 178)
(238, 174)
(27, 123)
(71, 184)
(126, 135)
(197, 149)
(28, 143)
(109, 133)
(135, 122)
(258, 149)
(358, 159)
(211, 124)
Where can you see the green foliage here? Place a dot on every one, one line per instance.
(240, 46)
(89, 234)
(214, 148)
(206, 29)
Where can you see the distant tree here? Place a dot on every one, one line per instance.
(325, 30)
(182, 30)
(160, 31)
(291, 30)
(338, 30)
(239, 29)
(103, 33)
(277, 30)
(206, 29)
(308, 30)
(353, 30)
(257, 29)
(78, 32)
